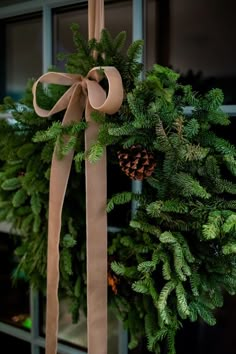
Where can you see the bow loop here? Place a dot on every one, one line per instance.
(71, 80)
(111, 102)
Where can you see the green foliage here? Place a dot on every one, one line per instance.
(121, 198)
(109, 52)
(176, 258)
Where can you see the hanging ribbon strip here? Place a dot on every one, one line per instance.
(83, 96)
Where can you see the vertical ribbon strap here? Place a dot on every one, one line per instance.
(95, 18)
(83, 95)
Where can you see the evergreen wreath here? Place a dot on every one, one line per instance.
(174, 259)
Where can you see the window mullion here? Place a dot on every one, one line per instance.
(228, 109)
(34, 314)
(47, 38)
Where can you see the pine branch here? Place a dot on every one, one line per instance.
(189, 186)
(191, 128)
(162, 302)
(119, 199)
(182, 305)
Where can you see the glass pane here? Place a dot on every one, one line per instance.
(14, 295)
(63, 40)
(201, 43)
(23, 54)
(76, 334)
(151, 33)
(14, 345)
(118, 17)
(199, 338)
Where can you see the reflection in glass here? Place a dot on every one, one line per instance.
(14, 345)
(201, 43)
(151, 31)
(23, 54)
(14, 296)
(200, 338)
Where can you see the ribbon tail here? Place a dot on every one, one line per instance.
(59, 175)
(60, 170)
(96, 219)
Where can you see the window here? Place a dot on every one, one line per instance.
(195, 38)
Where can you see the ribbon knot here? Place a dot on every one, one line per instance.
(83, 84)
(84, 95)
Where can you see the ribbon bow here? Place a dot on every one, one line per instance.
(84, 95)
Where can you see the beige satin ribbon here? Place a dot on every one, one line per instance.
(84, 94)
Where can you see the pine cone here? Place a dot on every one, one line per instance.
(136, 162)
